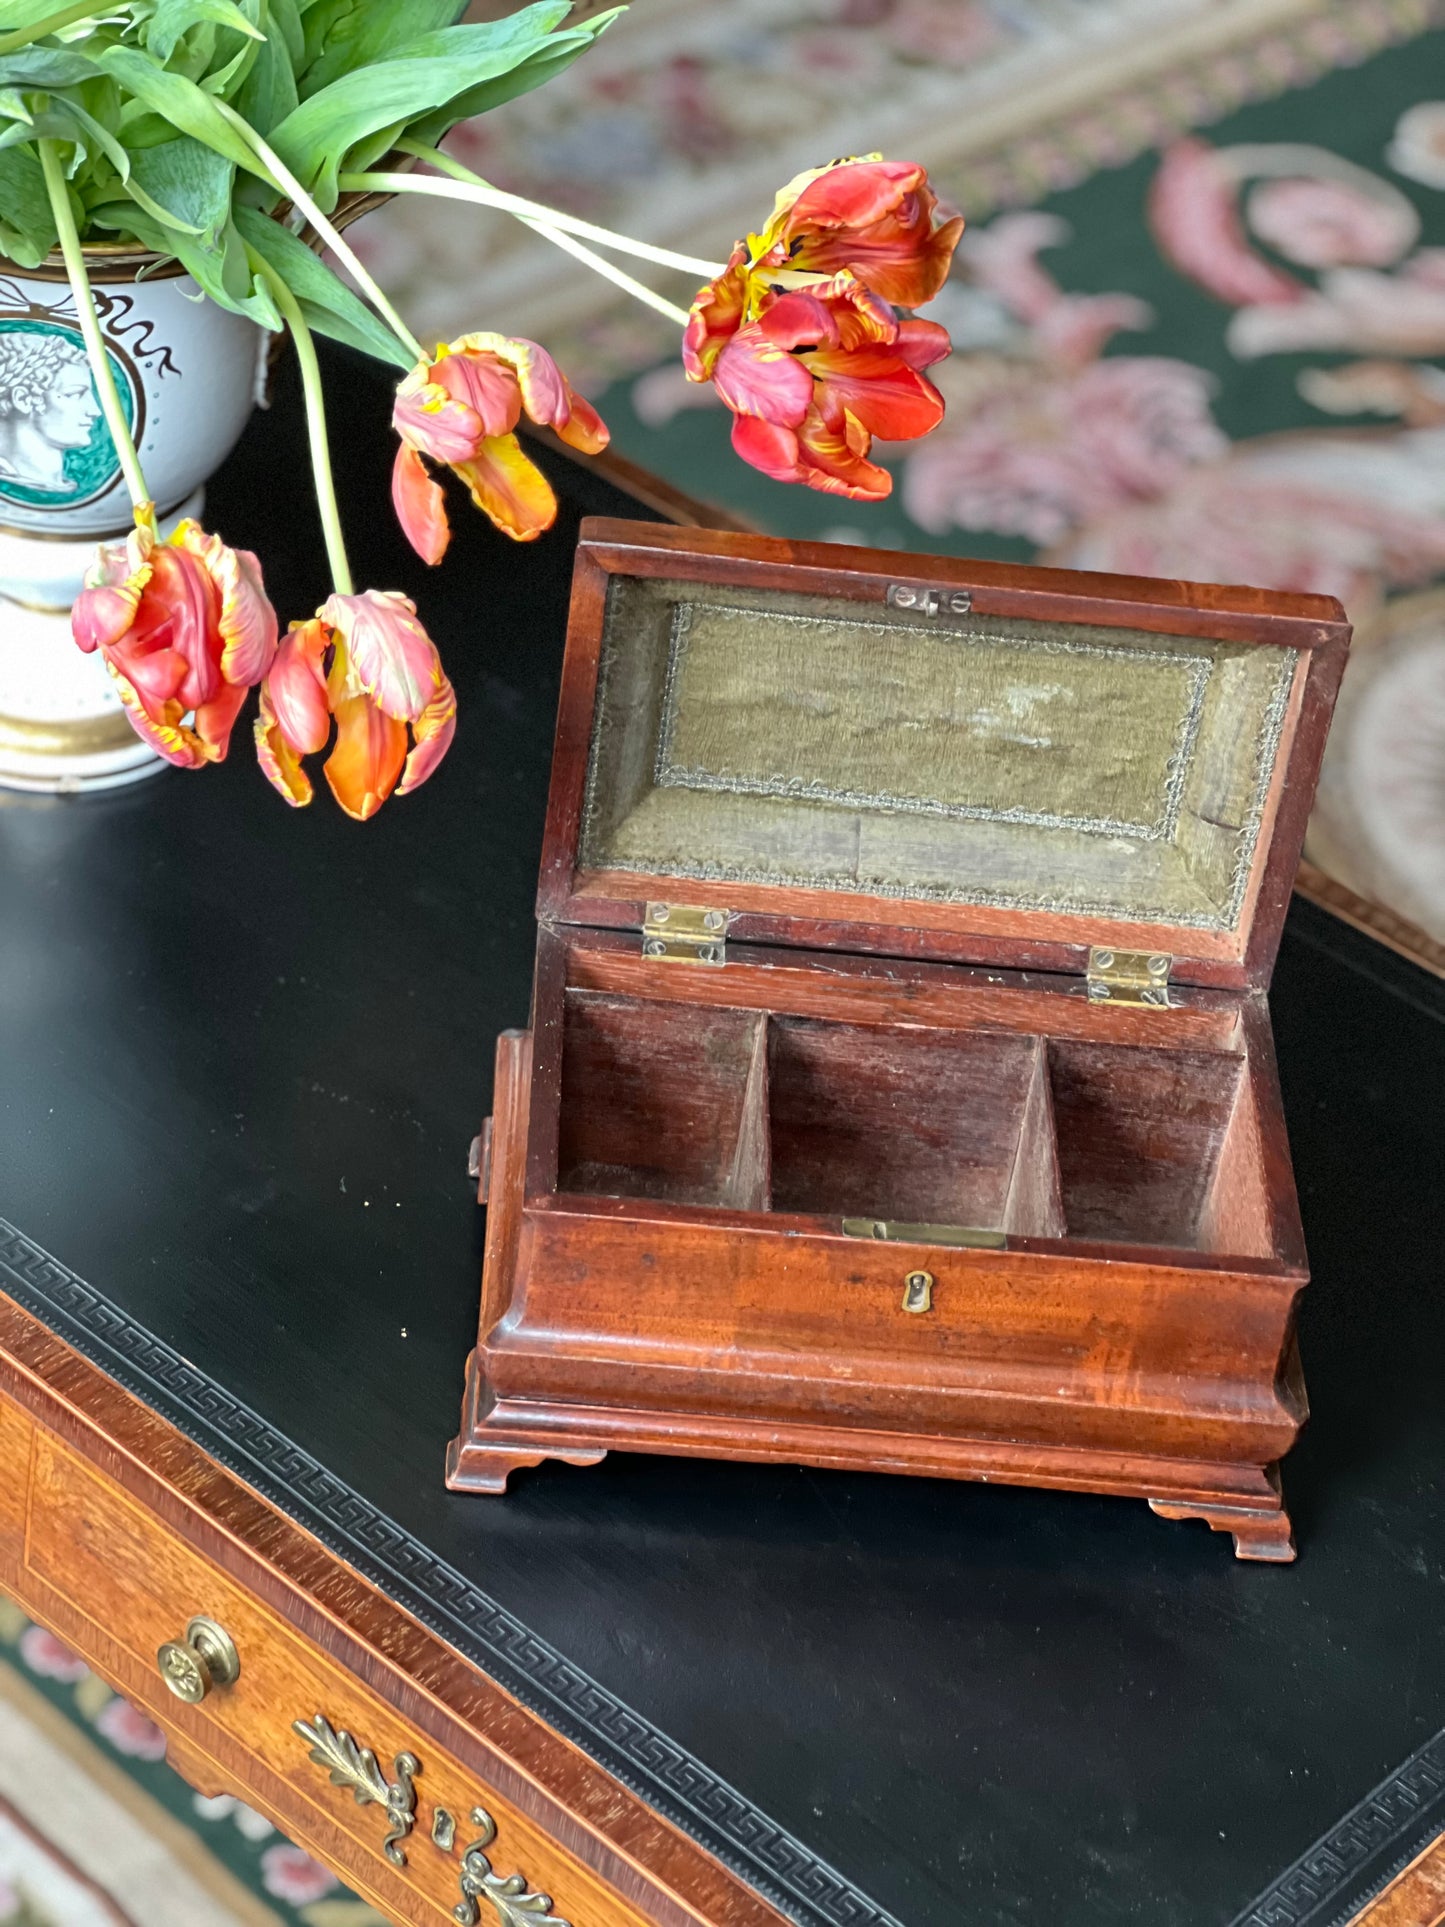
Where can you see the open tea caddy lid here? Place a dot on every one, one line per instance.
(847, 749)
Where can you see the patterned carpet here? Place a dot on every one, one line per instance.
(1199, 312)
(97, 1831)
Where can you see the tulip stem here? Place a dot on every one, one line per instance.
(568, 243)
(315, 423)
(52, 23)
(328, 231)
(96, 353)
(637, 289)
(466, 186)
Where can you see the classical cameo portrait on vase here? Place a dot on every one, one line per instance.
(55, 450)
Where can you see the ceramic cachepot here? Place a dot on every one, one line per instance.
(188, 373)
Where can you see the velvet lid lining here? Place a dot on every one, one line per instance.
(790, 739)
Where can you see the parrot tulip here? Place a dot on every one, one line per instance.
(871, 217)
(459, 410)
(365, 661)
(799, 335)
(185, 629)
(817, 375)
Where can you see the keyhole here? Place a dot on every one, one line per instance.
(918, 1291)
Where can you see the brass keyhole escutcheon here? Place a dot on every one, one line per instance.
(207, 1657)
(918, 1291)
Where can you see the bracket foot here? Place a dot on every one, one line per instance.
(1258, 1533)
(473, 1467)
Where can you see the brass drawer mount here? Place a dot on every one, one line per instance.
(355, 1767)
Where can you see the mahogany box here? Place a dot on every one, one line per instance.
(899, 1091)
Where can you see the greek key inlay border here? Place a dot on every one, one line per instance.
(631, 1748)
(669, 774)
(1363, 1852)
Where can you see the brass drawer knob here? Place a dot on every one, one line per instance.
(207, 1657)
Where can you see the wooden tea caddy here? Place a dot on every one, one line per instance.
(900, 1091)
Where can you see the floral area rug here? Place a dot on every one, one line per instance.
(1199, 310)
(97, 1831)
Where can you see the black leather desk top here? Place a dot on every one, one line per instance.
(242, 1052)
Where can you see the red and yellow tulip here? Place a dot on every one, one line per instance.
(185, 629)
(365, 661)
(799, 335)
(460, 410)
(817, 375)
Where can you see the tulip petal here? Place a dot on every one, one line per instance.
(755, 378)
(248, 623)
(921, 343)
(420, 505)
(863, 316)
(279, 762)
(510, 489)
(215, 720)
(163, 732)
(434, 421)
(834, 460)
(294, 693)
(879, 218)
(391, 657)
(767, 446)
(527, 368)
(547, 396)
(480, 372)
(716, 315)
(584, 428)
(100, 617)
(908, 271)
(433, 730)
(158, 674)
(114, 583)
(880, 391)
(854, 194)
(181, 611)
(368, 757)
(798, 319)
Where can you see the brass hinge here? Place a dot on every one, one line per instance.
(1129, 976)
(685, 933)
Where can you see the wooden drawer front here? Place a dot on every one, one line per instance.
(17, 1436)
(1009, 1342)
(119, 1584)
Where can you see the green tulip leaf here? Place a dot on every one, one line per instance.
(188, 108)
(558, 53)
(284, 16)
(421, 77)
(28, 224)
(360, 36)
(173, 19)
(268, 94)
(327, 303)
(190, 182)
(45, 67)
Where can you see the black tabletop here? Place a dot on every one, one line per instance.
(242, 1053)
